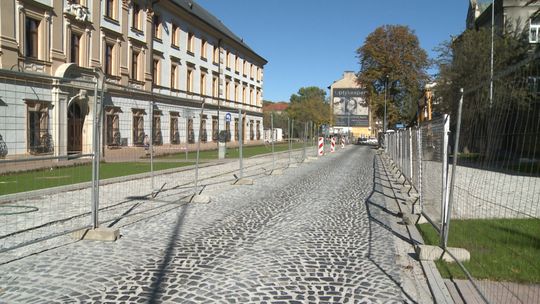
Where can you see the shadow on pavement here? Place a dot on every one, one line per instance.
(167, 258)
(378, 213)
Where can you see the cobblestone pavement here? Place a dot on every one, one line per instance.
(304, 236)
(64, 209)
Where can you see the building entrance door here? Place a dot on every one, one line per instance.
(75, 126)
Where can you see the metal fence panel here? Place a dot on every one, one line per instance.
(47, 129)
(497, 185)
(46, 153)
(433, 169)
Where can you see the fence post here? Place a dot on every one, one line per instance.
(317, 142)
(454, 167)
(445, 185)
(419, 140)
(188, 116)
(151, 145)
(400, 150)
(273, 138)
(198, 149)
(410, 154)
(289, 138)
(240, 128)
(304, 143)
(96, 150)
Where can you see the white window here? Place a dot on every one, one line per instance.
(534, 29)
(174, 73)
(215, 85)
(189, 79)
(203, 48)
(202, 86)
(190, 42)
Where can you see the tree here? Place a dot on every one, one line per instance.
(391, 58)
(491, 124)
(309, 105)
(306, 93)
(464, 63)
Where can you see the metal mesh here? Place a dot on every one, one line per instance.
(42, 152)
(434, 165)
(497, 185)
(420, 155)
(47, 152)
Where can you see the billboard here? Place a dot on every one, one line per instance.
(349, 108)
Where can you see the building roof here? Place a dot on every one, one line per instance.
(483, 5)
(198, 11)
(276, 107)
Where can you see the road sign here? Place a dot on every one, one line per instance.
(228, 117)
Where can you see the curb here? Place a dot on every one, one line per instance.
(436, 284)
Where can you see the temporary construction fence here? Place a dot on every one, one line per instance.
(421, 155)
(76, 153)
(496, 184)
(487, 199)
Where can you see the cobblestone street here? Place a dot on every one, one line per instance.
(304, 236)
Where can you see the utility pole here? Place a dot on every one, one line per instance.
(492, 43)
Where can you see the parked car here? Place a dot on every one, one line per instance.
(361, 141)
(372, 141)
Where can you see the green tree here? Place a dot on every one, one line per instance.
(309, 105)
(391, 58)
(465, 63)
(306, 93)
(490, 124)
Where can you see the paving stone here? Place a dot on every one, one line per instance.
(302, 236)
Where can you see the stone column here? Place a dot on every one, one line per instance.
(85, 58)
(124, 47)
(95, 44)
(8, 43)
(148, 59)
(88, 127)
(58, 37)
(59, 120)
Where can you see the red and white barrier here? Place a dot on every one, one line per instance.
(342, 143)
(321, 146)
(333, 145)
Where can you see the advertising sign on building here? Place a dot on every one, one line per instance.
(349, 108)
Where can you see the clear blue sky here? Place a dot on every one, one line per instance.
(311, 42)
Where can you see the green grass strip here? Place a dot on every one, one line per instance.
(234, 152)
(501, 249)
(61, 176)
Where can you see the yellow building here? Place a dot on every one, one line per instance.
(350, 110)
(425, 103)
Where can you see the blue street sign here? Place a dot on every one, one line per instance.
(228, 117)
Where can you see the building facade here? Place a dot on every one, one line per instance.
(513, 15)
(426, 102)
(350, 111)
(157, 63)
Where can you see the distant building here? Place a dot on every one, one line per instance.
(426, 102)
(509, 14)
(278, 107)
(350, 110)
(160, 59)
